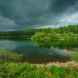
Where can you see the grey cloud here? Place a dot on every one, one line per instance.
(7, 24)
(22, 13)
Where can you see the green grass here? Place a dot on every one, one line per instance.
(14, 70)
(74, 56)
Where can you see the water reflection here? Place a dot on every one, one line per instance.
(13, 45)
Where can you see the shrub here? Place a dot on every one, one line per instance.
(60, 40)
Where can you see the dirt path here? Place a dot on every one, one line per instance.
(70, 64)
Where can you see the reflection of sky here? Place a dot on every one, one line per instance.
(16, 14)
(12, 45)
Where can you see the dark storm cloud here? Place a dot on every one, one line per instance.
(59, 6)
(15, 14)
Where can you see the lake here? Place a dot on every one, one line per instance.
(22, 46)
(31, 50)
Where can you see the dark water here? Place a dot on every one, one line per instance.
(31, 50)
(25, 47)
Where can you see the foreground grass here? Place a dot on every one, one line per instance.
(13, 67)
(23, 70)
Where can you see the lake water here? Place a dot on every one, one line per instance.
(31, 50)
(22, 46)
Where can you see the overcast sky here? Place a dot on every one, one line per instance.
(17, 14)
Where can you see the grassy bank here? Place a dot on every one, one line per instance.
(10, 56)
